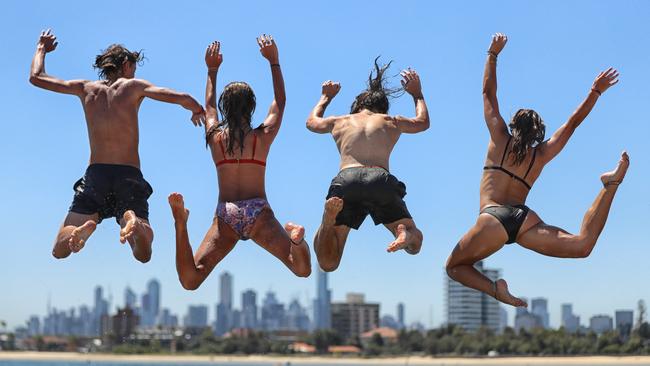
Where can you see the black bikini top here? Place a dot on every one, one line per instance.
(501, 168)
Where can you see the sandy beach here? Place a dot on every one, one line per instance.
(416, 360)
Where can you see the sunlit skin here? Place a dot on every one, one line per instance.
(488, 235)
(365, 139)
(239, 182)
(111, 112)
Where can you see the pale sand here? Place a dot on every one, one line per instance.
(280, 360)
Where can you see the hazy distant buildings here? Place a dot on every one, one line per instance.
(354, 317)
(570, 321)
(197, 316)
(601, 323)
(624, 321)
(130, 298)
(224, 319)
(539, 307)
(472, 309)
(322, 310)
(273, 313)
(400, 315)
(249, 309)
(150, 308)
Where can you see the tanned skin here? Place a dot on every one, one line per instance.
(488, 236)
(111, 111)
(240, 182)
(365, 139)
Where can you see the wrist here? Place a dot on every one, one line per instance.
(492, 53)
(274, 64)
(213, 69)
(417, 96)
(595, 90)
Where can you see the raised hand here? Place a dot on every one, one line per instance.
(411, 82)
(604, 80)
(198, 116)
(331, 88)
(268, 48)
(499, 41)
(213, 56)
(48, 40)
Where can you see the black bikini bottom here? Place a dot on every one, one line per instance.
(511, 217)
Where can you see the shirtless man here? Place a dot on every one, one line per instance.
(365, 139)
(113, 185)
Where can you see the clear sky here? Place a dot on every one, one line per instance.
(555, 50)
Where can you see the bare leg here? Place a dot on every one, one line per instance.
(73, 234)
(285, 243)
(217, 243)
(484, 239)
(329, 241)
(138, 233)
(556, 242)
(407, 236)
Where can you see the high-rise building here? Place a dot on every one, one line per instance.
(472, 309)
(151, 310)
(601, 323)
(354, 317)
(539, 307)
(100, 309)
(197, 316)
(167, 319)
(322, 311)
(224, 319)
(123, 325)
(624, 321)
(503, 319)
(130, 298)
(570, 321)
(297, 318)
(400, 315)
(273, 313)
(249, 309)
(33, 326)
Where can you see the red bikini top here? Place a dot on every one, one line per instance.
(252, 160)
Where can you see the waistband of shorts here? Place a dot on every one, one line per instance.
(113, 166)
(366, 167)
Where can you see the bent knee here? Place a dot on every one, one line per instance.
(306, 272)
(190, 285)
(328, 265)
(60, 254)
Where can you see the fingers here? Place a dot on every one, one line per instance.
(265, 40)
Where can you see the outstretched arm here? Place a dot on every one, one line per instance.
(493, 119)
(37, 75)
(213, 59)
(269, 50)
(316, 122)
(556, 143)
(411, 84)
(171, 96)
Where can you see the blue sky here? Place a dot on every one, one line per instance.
(555, 50)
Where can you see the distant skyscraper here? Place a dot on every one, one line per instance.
(273, 313)
(400, 315)
(624, 321)
(153, 289)
(33, 326)
(570, 321)
(100, 309)
(503, 319)
(249, 309)
(352, 318)
(539, 307)
(224, 320)
(297, 318)
(130, 298)
(472, 309)
(601, 323)
(197, 316)
(322, 311)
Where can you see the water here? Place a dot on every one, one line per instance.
(271, 363)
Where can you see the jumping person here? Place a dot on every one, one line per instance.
(113, 185)
(239, 152)
(364, 186)
(514, 161)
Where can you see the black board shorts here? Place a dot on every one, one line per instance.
(368, 191)
(109, 190)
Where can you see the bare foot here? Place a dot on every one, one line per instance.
(80, 235)
(133, 228)
(177, 205)
(503, 295)
(333, 206)
(615, 177)
(402, 241)
(296, 232)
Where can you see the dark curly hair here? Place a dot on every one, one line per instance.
(528, 130)
(110, 61)
(375, 97)
(236, 105)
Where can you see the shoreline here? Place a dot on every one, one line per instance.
(281, 360)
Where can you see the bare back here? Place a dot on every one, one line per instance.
(241, 181)
(365, 139)
(111, 113)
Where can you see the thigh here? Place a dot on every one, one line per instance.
(485, 238)
(218, 241)
(547, 239)
(268, 233)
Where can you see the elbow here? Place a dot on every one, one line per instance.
(34, 79)
(311, 124)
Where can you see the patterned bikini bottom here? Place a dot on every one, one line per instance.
(241, 215)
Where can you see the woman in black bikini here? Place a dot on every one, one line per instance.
(514, 161)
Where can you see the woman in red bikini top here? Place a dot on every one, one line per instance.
(514, 161)
(239, 152)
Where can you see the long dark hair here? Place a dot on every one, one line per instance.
(375, 97)
(110, 61)
(528, 130)
(236, 105)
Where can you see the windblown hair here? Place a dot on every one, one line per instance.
(375, 97)
(236, 105)
(528, 130)
(110, 61)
